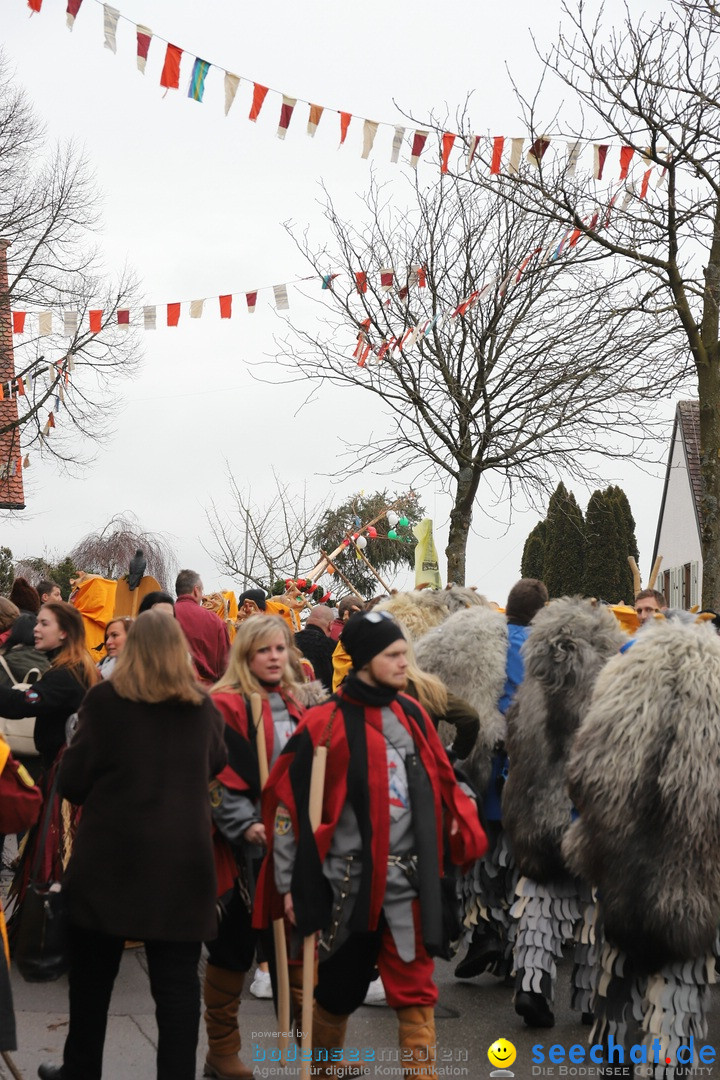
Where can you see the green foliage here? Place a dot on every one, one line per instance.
(564, 545)
(7, 572)
(387, 556)
(37, 567)
(533, 556)
(602, 571)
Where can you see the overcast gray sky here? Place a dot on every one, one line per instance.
(195, 202)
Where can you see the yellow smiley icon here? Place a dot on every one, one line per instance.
(502, 1053)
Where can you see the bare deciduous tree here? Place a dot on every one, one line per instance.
(109, 551)
(542, 368)
(49, 213)
(653, 83)
(260, 545)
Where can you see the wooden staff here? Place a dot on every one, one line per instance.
(281, 960)
(342, 576)
(317, 786)
(654, 573)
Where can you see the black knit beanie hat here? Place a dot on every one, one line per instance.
(256, 595)
(367, 634)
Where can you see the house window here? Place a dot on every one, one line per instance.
(686, 572)
(694, 582)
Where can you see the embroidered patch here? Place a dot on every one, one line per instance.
(216, 794)
(25, 776)
(32, 696)
(282, 822)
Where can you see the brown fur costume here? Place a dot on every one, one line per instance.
(570, 641)
(645, 776)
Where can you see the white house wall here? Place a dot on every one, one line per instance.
(679, 540)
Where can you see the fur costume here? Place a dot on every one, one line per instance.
(645, 775)
(422, 609)
(570, 641)
(467, 651)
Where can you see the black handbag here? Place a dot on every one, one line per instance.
(41, 949)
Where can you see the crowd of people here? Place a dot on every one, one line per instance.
(380, 783)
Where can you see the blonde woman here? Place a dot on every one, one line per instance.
(261, 662)
(147, 744)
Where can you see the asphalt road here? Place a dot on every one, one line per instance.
(471, 1015)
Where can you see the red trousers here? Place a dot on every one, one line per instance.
(343, 978)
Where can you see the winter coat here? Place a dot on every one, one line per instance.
(142, 862)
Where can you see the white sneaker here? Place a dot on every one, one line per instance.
(261, 987)
(376, 993)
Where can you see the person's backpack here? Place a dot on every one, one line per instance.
(20, 734)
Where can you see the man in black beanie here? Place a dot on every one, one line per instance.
(369, 879)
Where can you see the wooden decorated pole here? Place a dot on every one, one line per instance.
(335, 570)
(361, 554)
(320, 567)
(281, 960)
(317, 786)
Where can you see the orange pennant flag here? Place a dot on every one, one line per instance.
(170, 77)
(498, 144)
(259, 95)
(226, 307)
(173, 314)
(345, 118)
(448, 140)
(95, 321)
(18, 321)
(626, 155)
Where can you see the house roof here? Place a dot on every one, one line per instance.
(687, 419)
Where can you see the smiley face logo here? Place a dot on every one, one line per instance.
(502, 1053)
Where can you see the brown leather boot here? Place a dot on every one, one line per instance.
(328, 1034)
(221, 992)
(417, 1034)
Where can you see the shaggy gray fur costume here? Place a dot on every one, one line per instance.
(570, 641)
(468, 652)
(645, 776)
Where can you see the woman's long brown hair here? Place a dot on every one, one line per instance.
(73, 651)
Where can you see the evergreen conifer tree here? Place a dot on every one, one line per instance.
(564, 545)
(533, 556)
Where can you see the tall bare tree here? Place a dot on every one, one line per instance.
(258, 545)
(49, 213)
(651, 84)
(508, 366)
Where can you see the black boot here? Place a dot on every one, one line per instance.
(484, 950)
(50, 1072)
(534, 1009)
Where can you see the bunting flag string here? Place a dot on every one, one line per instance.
(467, 148)
(387, 282)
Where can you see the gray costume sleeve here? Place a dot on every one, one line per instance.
(284, 850)
(232, 813)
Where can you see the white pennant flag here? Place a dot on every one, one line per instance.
(196, 309)
(149, 318)
(45, 323)
(70, 361)
(516, 146)
(231, 86)
(110, 21)
(281, 297)
(70, 323)
(573, 151)
(369, 132)
(397, 144)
